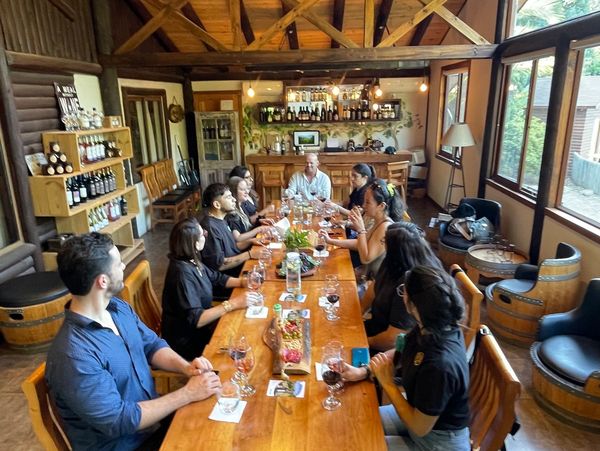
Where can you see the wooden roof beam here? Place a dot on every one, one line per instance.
(235, 18)
(325, 27)
(291, 31)
(420, 31)
(382, 17)
(142, 13)
(281, 24)
(369, 23)
(134, 41)
(407, 26)
(190, 13)
(301, 57)
(246, 25)
(460, 26)
(338, 19)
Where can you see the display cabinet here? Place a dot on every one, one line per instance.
(218, 145)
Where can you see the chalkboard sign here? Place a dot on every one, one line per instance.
(66, 94)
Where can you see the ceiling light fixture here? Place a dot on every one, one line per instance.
(250, 92)
(423, 87)
(377, 88)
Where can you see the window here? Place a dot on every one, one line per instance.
(455, 80)
(523, 124)
(9, 232)
(530, 15)
(580, 191)
(145, 113)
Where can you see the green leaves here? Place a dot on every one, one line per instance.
(296, 239)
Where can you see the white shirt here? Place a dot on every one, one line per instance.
(320, 184)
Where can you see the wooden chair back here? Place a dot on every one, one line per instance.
(271, 176)
(162, 176)
(493, 391)
(339, 174)
(46, 424)
(138, 292)
(473, 297)
(150, 183)
(170, 174)
(397, 173)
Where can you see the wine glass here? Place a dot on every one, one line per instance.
(255, 302)
(265, 258)
(331, 371)
(228, 397)
(255, 278)
(237, 348)
(328, 216)
(244, 362)
(336, 347)
(265, 238)
(333, 298)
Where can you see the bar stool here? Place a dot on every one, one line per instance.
(32, 310)
(397, 173)
(270, 176)
(339, 174)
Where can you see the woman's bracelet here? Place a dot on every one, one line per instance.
(368, 374)
(227, 306)
(362, 232)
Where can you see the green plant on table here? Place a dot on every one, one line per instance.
(296, 239)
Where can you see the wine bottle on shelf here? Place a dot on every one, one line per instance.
(106, 181)
(52, 158)
(91, 186)
(83, 195)
(99, 185)
(59, 168)
(48, 169)
(68, 167)
(75, 191)
(69, 193)
(124, 207)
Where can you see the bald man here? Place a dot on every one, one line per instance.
(311, 183)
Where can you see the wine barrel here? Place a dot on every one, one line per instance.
(32, 310)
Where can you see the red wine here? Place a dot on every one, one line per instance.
(331, 377)
(333, 298)
(236, 354)
(319, 247)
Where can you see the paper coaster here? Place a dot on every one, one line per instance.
(323, 302)
(279, 388)
(322, 254)
(233, 417)
(288, 297)
(325, 224)
(304, 313)
(275, 246)
(262, 313)
(318, 371)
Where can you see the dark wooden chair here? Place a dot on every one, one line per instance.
(339, 174)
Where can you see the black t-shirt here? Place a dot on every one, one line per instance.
(188, 291)
(234, 221)
(357, 197)
(249, 208)
(388, 308)
(219, 244)
(435, 375)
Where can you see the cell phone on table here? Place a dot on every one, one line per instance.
(360, 356)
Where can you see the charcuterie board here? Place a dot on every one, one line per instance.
(290, 343)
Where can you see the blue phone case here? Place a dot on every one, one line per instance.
(360, 356)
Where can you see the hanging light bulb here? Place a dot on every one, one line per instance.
(335, 90)
(423, 87)
(377, 88)
(250, 92)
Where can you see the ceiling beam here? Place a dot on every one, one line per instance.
(150, 27)
(295, 75)
(382, 17)
(338, 19)
(142, 13)
(407, 26)
(369, 23)
(193, 28)
(420, 31)
(325, 27)
(301, 57)
(460, 26)
(190, 13)
(291, 31)
(235, 19)
(281, 24)
(246, 25)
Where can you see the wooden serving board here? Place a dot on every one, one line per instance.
(273, 339)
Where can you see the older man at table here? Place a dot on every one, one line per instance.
(98, 367)
(310, 183)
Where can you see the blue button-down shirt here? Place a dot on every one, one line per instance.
(96, 378)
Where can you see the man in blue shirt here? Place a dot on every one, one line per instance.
(98, 367)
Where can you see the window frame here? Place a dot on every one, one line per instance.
(145, 95)
(534, 57)
(8, 201)
(451, 69)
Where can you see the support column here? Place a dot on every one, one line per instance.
(190, 119)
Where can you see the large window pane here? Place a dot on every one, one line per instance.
(581, 190)
(532, 15)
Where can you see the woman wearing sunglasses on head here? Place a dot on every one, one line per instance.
(188, 318)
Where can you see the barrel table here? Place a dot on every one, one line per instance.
(488, 261)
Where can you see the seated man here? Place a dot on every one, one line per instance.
(221, 251)
(98, 367)
(311, 183)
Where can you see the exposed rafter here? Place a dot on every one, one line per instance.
(420, 31)
(235, 19)
(190, 13)
(312, 75)
(142, 13)
(64, 7)
(338, 19)
(382, 17)
(460, 26)
(291, 31)
(246, 25)
(369, 23)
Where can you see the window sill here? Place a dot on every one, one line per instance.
(521, 198)
(447, 159)
(588, 230)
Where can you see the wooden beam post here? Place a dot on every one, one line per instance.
(290, 31)
(460, 26)
(190, 118)
(382, 17)
(407, 26)
(246, 25)
(369, 23)
(16, 161)
(338, 19)
(189, 13)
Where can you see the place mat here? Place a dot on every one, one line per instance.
(233, 417)
(275, 246)
(304, 313)
(322, 254)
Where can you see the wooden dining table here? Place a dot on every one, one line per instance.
(285, 423)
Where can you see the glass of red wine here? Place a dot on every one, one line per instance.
(237, 349)
(333, 298)
(331, 371)
(244, 363)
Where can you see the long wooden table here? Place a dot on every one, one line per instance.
(270, 423)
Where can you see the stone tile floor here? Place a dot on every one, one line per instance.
(539, 431)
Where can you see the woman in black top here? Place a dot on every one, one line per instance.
(434, 370)
(188, 318)
(406, 248)
(251, 205)
(361, 176)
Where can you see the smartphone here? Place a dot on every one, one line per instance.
(360, 356)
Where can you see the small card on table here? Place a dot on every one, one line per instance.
(303, 313)
(251, 312)
(233, 417)
(293, 389)
(289, 297)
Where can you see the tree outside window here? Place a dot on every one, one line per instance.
(455, 81)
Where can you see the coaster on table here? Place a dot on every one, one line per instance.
(325, 224)
(318, 371)
(322, 254)
(288, 297)
(233, 417)
(275, 246)
(262, 313)
(279, 388)
(323, 302)
(304, 313)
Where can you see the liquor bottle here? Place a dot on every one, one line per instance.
(97, 118)
(294, 116)
(48, 169)
(91, 186)
(83, 195)
(83, 119)
(53, 158)
(81, 148)
(106, 182)
(75, 191)
(289, 114)
(69, 193)
(312, 115)
(317, 114)
(336, 115)
(99, 185)
(114, 179)
(124, 208)
(329, 114)
(68, 167)
(269, 117)
(323, 114)
(59, 168)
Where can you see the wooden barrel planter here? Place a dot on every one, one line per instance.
(32, 310)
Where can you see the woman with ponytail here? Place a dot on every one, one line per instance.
(361, 177)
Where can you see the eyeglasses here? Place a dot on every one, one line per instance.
(400, 290)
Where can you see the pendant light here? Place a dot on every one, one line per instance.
(250, 91)
(377, 88)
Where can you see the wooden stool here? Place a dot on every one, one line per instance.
(270, 176)
(397, 173)
(32, 310)
(339, 174)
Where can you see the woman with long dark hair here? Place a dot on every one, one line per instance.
(238, 221)
(188, 318)
(250, 206)
(434, 415)
(361, 176)
(405, 248)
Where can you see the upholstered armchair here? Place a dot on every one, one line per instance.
(566, 361)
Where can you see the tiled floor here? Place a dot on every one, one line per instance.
(539, 430)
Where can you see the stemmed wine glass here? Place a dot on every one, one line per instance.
(331, 370)
(333, 297)
(228, 397)
(256, 278)
(265, 238)
(244, 362)
(328, 216)
(237, 348)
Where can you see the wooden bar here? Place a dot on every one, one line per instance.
(286, 423)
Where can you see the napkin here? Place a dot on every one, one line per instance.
(285, 294)
(322, 254)
(304, 313)
(233, 417)
(275, 246)
(318, 371)
(299, 388)
(263, 313)
(282, 225)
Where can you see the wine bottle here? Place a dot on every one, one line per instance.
(124, 208)
(75, 191)
(69, 193)
(59, 168)
(83, 196)
(68, 168)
